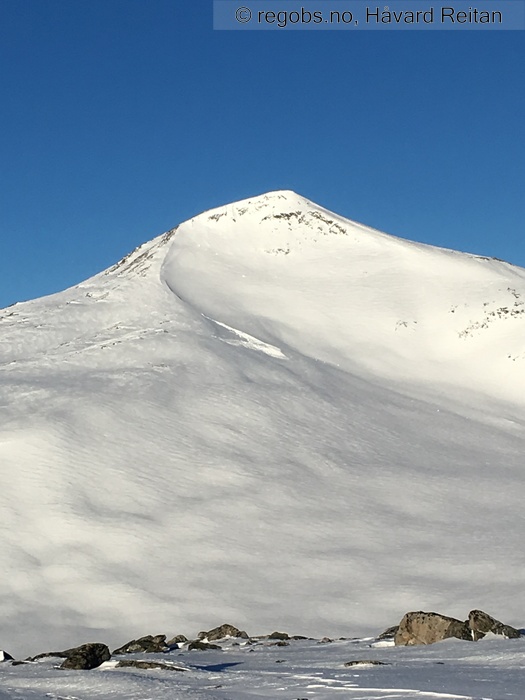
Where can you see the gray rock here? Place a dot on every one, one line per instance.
(177, 639)
(278, 635)
(222, 632)
(389, 633)
(86, 656)
(481, 624)
(198, 645)
(46, 654)
(145, 645)
(429, 627)
(366, 662)
(137, 663)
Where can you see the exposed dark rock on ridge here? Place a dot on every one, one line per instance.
(222, 632)
(87, 656)
(481, 624)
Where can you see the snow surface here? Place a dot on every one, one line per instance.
(451, 670)
(270, 416)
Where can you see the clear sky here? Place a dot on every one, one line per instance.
(122, 118)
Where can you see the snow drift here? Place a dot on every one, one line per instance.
(270, 415)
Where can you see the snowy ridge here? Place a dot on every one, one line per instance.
(269, 413)
(296, 274)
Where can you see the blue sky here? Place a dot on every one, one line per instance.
(121, 118)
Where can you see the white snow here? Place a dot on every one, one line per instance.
(270, 416)
(304, 669)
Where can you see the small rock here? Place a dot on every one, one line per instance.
(136, 663)
(198, 645)
(325, 640)
(146, 645)
(4, 656)
(389, 633)
(280, 643)
(366, 662)
(178, 639)
(47, 654)
(222, 632)
(278, 635)
(87, 656)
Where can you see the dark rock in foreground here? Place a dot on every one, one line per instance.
(136, 663)
(366, 662)
(86, 656)
(481, 624)
(147, 645)
(429, 627)
(4, 656)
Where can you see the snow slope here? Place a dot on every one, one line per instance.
(451, 670)
(270, 416)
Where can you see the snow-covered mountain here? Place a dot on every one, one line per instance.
(270, 415)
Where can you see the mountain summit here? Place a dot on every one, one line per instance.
(269, 415)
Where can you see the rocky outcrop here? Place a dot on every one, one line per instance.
(146, 645)
(4, 656)
(429, 627)
(176, 640)
(86, 656)
(222, 632)
(480, 624)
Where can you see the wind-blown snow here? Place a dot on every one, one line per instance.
(450, 670)
(269, 416)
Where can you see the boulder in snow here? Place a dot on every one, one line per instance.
(481, 624)
(221, 632)
(198, 645)
(137, 663)
(87, 656)
(148, 645)
(279, 635)
(429, 627)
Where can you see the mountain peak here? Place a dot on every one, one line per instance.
(275, 201)
(268, 391)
